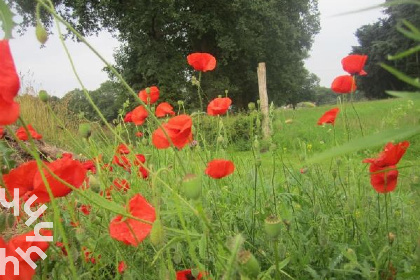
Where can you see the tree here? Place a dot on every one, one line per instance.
(383, 38)
(109, 98)
(158, 35)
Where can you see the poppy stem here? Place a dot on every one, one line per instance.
(199, 91)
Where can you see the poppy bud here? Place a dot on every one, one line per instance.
(3, 218)
(180, 102)
(144, 141)
(43, 96)
(338, 161)
(251, 106)
(272, 226)
(157, 234)
(258, 123)
(249, 264)
(334, 173)
(220, 139)
(85, 130)
(256, 144)
(191, 186)
(41, 33)
(94, 184)
(391, 238)
(10, 220)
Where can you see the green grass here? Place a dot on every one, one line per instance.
(333, 224)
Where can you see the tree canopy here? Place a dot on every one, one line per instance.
(157, 36)
(383, 38)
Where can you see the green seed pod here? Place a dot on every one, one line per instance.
(251, 106)
(144, 141)
(220, 139)
(273, 226)
(3, 221)
(258, 123)
(10, 220)
(85, 130)
(249, 264)
(41, 33)
(94, 184)
(157, 234)
(334, 173)
(43, 96)
(147, 90)
(191, 186)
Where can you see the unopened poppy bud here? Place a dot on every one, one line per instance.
(10, 220)
(258, 123)
(391, 237)
(251, 106)
(249, 264)
(338, 161)
(334, 173)
(273, 226)
(195, 272)
(3, 222)
(191, 186)
(220, 139)
(256, 144)
(41, 33)
(144, 141)
(180, 102)
(85, 130)
(43, 96)
(258, 102)
(148, 90)
(157, 234)
(94, 184)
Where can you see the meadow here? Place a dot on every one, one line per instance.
(332, 193)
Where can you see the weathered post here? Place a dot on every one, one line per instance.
(262, 89)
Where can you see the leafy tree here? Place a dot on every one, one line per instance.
(109, 98)
(383, 38)
(157, 36)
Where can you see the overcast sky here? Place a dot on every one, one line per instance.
(48, 68)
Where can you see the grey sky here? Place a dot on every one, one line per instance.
(337, 35)
(48, 68)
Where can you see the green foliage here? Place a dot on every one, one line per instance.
(386, 37)
(158, 35)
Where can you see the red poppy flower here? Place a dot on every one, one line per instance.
(85, 209)
(130, 231)
(343, 84)
(128, 118)
(9, 85)
(21, 177)
(353, 64)
(164, 109)
(143, 172)
(383, 173)
(26, 272)
(219, 106)
(139, 160)
(122, 161)
(383, 181)
(1, 132)
(90, 165)
(179, 131)
(22, 135)
(121, 184)
(149, 95)
(139, 115)
(391, 154)
(329, 116)
(67, 155)
(63, 248)
(121, 267)
(187, 275)
(68, 170)
(139, 134)
(202, 61)
(122, 149)
(219, 168)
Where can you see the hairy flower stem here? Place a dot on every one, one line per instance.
(354, 108)
(199, 92)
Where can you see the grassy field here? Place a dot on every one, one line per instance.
(331, 223)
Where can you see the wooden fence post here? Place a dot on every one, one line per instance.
(262, 89)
